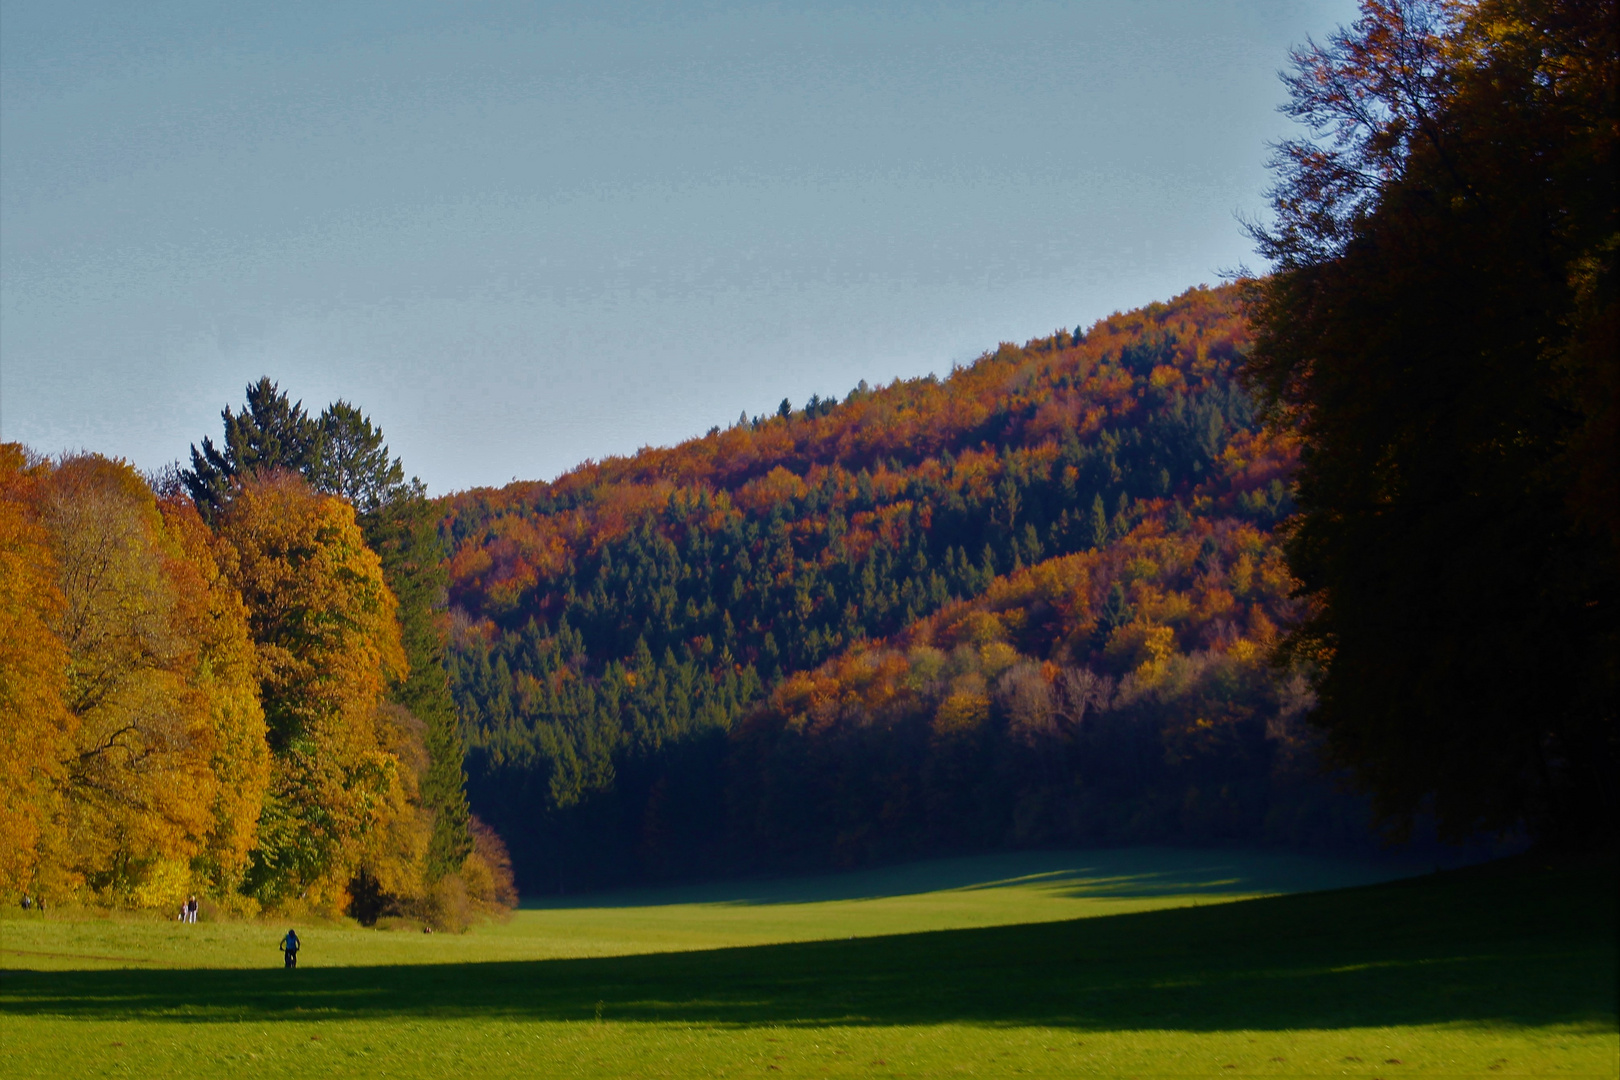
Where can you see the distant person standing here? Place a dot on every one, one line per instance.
(289, 948)
(191, 909)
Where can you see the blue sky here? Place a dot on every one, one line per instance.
(520, 236)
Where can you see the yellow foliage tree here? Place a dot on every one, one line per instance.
(227, 675)
(326, 644)
(138, 784)
(35, 725)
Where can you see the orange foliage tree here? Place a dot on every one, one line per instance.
(163, 716)
(36, 728)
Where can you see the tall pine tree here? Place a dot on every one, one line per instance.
(404, 533)
(272, 432)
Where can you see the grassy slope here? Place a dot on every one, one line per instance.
(1511, 965)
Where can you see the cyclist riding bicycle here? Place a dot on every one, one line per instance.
(289, 947)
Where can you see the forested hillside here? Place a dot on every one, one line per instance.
(1027, 604)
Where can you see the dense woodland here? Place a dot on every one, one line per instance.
(1029, 604)
(1303, 560)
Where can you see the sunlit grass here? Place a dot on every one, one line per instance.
(1494, 971)
(940, 894)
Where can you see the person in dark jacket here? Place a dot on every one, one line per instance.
(289, 948)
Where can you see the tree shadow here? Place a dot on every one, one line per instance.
(1510, 948)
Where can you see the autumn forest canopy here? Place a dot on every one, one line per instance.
(1310, 559)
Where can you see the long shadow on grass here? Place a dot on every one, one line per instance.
(1524, 945)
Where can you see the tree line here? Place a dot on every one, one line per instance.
(228, 682)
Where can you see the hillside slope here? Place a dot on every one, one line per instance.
(1027, 604)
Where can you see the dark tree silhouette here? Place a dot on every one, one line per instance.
(1440, 331)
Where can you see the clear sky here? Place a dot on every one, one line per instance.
(524, 235)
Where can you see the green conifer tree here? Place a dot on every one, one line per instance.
(353, 462)
(271, 432)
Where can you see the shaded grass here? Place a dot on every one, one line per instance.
(1510, 965)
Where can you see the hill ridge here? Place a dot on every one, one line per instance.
(1089, 515)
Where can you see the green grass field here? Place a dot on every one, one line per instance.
(1129, 963)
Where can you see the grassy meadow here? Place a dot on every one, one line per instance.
(1102, 963)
